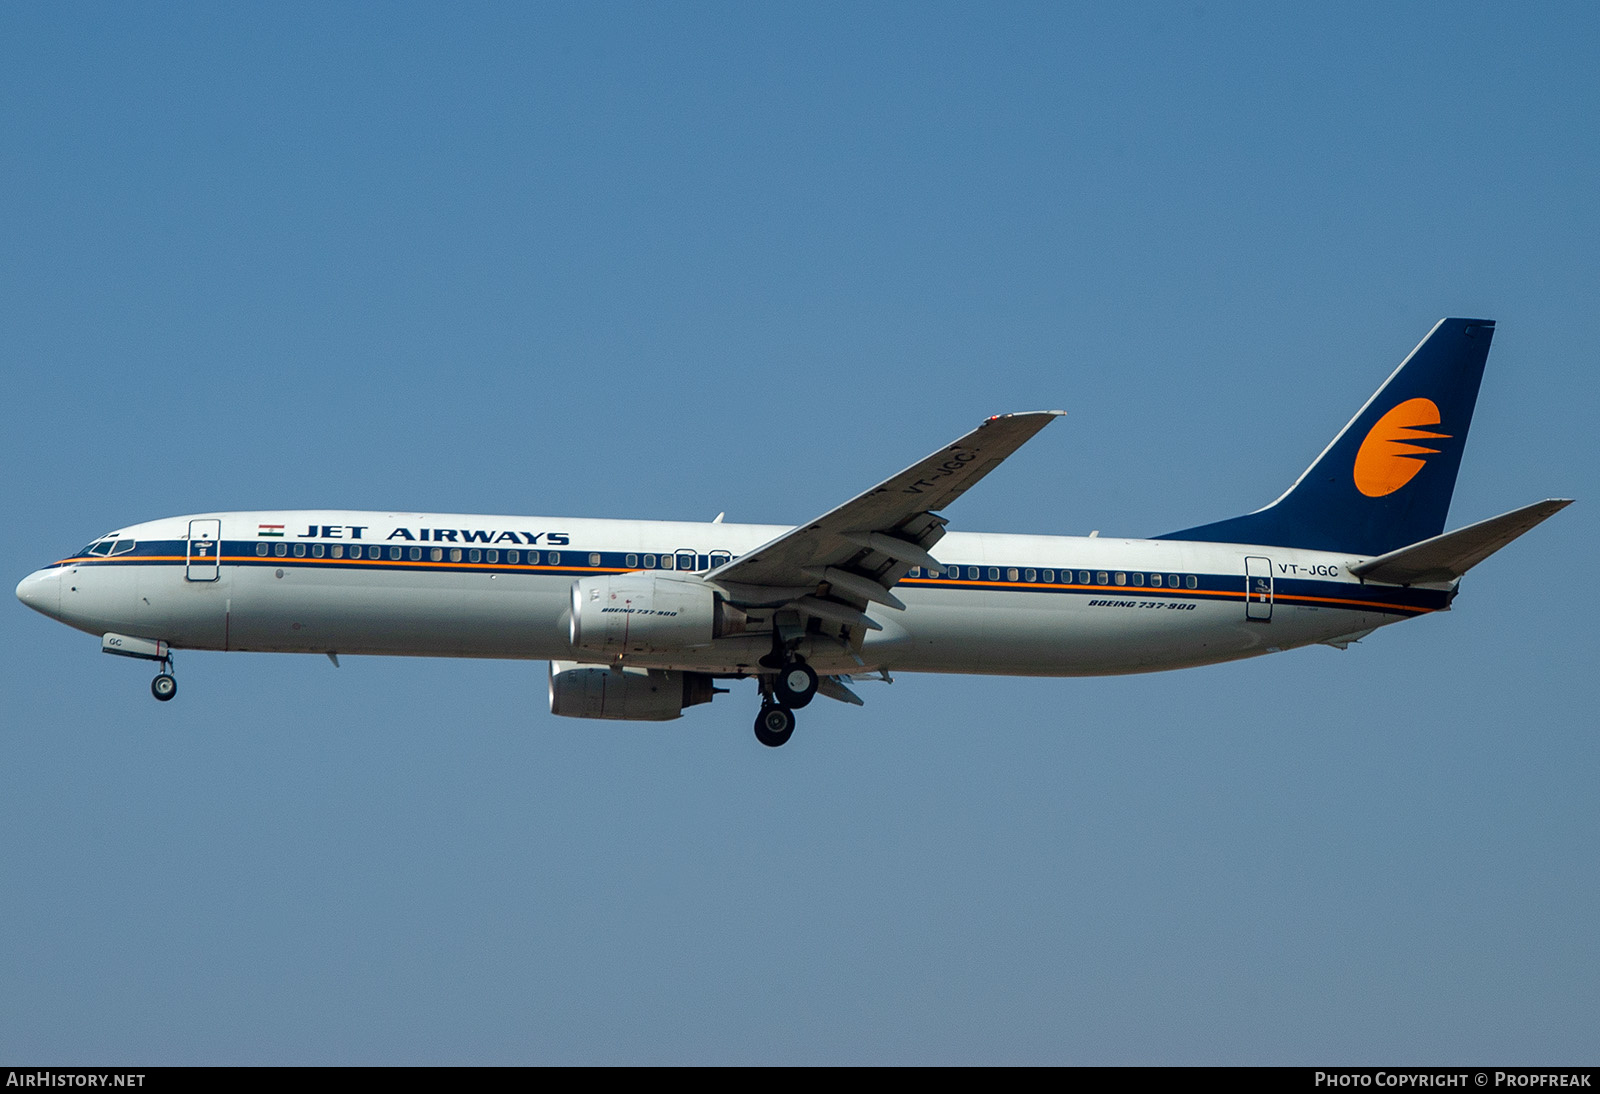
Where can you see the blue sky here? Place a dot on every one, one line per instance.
(669, 260)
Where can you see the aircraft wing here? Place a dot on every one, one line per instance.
(831, 568)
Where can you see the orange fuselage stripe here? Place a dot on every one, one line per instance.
(1108, 590)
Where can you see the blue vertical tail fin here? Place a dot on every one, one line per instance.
(1385, 481)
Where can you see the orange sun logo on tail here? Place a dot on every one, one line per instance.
(1388, 459)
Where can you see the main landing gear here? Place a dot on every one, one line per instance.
(774, 725)
(796, 685)
(793, 687)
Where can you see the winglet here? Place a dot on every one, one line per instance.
(1026, 414)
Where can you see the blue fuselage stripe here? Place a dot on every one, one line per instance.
(1389, 600)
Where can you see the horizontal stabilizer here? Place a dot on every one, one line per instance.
(1447, 557)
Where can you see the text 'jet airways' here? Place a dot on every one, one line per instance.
(640, 619)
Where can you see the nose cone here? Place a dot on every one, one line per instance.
(41, 591)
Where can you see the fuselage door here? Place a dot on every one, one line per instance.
(1258, 589)
(205, 547)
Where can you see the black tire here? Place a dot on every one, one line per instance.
(774, 725)
(164, 687)
(796, 685)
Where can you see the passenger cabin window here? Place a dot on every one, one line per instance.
(1102, 578)
(261, 549)
(475, 555)
(318, 550)
(1083, 577)
(436, 554)
(915, 571)
(594, 558)
(491, 556)
(1031, 575)
(513, 557)
(1011, 574)
(1155, 581)
(1137, 579)
(555, 558)
(972, 572)
(720, 558)
(1049, 576)
(1172, 581)
(1192, 582)
(394, 553)
(1121, 578)
(337, 552)
(414, 553)
(666, 562)
(280, 549)
(686, 562)
(533, 558)
(649, 562)
(299, 550)
(631, 561)
(994, 573)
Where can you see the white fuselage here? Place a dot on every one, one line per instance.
(451, 585)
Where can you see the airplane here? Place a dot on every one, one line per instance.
(640, 620)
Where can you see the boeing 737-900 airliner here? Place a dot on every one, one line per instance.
(640, 619)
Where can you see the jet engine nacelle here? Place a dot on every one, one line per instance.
(626, 694)
(647, 613)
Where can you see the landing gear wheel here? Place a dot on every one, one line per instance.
(796, 684)
(774, 725)
(164, 687)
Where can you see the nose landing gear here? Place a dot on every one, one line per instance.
(165, 685)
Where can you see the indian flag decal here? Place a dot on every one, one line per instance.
(270, 530)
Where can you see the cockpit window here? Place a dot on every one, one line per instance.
(108, 546)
